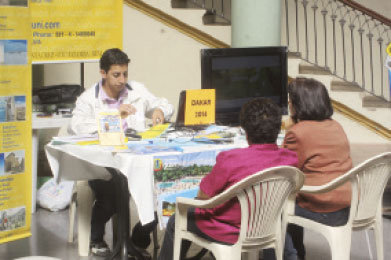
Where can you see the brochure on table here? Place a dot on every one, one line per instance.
(110, 128)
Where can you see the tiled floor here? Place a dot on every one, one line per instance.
(50, 229)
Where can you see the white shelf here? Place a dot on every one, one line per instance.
(55, 121)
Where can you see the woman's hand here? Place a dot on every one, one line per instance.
(287, 123)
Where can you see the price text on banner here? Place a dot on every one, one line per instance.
(74, 30)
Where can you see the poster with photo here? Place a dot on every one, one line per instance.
(15, 120)
(11, 219)
(2, 164)
(13, 52)
(13, 3)
(14, 162)
(110, 128)
(179, 175)
(12, 108)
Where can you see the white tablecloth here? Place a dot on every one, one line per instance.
(85, 162)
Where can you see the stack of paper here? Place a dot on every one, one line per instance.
(76, 139)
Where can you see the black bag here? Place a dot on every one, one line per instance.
(59, 94)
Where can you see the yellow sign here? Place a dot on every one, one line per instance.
(15, 121)
(74, 30)
(389, 49)
(200, 107)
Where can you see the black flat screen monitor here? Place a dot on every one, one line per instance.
(241, 74)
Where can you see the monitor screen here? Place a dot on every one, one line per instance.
(240, 74)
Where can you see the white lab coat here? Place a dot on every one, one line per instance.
(88, 105)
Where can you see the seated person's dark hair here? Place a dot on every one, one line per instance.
(310, 100)
(113, 57)
(261, 119)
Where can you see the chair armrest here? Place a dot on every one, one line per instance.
(206, 204)
(290, 203)
(348, 176)
(327, 186)
(189, 202)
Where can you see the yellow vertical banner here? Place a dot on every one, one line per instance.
(74, 30)
(15, 120)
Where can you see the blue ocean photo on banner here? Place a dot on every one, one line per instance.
(13, 52)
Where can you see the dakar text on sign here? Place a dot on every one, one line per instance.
(200, 107)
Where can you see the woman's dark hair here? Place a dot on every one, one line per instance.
(261, 119)
(113, 57)
(310, 100)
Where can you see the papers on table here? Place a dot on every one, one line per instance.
(76, 139)
(154, 131)
(170, 140)
(151, 148)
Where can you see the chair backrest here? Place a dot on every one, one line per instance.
(262, 197)
(369, 180)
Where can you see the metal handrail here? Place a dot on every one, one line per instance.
(341, 36)
(347, 42)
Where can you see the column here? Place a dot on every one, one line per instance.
(255, 23)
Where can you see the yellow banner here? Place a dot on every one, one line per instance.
(74, 30)
(15, 120)
(200, 107)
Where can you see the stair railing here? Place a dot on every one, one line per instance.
(220, 8)
(342, 37)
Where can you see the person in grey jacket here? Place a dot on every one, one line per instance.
(134, 104)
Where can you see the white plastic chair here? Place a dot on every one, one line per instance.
(368, 182)
(83, 197)
(262, 197)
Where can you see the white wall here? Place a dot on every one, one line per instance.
(382, 7)
(162, 58)
(165, 60)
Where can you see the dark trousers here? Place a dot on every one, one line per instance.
(105, 207)
(167, 250)
(294, 246)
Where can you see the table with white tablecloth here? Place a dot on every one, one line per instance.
(85, 162)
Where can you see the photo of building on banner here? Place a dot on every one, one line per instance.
(179, 176)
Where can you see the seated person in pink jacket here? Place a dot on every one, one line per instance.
(261, 120)
(324, 154)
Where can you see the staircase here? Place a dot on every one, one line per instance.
(366, 99)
